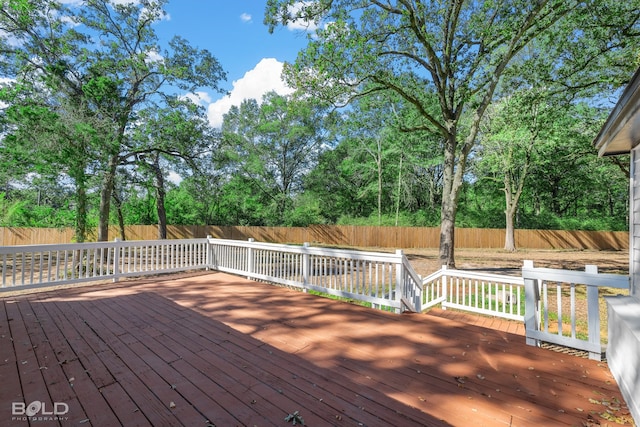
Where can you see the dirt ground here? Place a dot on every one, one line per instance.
(425, 261)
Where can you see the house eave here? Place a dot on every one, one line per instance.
(621, 132)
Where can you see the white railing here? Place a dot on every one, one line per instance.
(385, 280)
(412, 286)
(482, 293)
(552, 312)
(45, 265)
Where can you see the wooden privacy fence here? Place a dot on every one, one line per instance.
(342, 235)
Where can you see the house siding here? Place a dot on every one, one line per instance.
(623, 350)
(634, 223)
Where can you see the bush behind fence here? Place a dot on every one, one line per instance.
(340, 235)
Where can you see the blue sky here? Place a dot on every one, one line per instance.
(233, 31)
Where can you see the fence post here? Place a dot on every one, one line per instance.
(399, 279)
(305, 266)
(593, 314)
(250, 257)
(116, 260)
(530, 304)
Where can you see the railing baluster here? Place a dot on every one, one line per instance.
(559, 307)
(573, 310)
(13, 270)
(4, 270)
(32, 267)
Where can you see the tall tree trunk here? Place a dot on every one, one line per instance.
(118, 203)
(162, 214)
(511, 203)
(399, 189)
(510, 236)
(108, 181)
(455, 162)
(379, 191)
(81, 208)
(449, 205)
(78, 173)
(447, 232)
(513, 187)
(160, 196)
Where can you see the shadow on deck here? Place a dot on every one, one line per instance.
(215, 349)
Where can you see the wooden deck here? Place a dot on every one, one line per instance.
(217, 350)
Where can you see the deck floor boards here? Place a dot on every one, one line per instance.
(213, 349)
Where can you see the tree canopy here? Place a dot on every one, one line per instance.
(95, 67)
(434, 113)
(455, 52)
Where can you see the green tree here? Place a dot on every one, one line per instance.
(383, 158)
(370, 125)
(570, 186)
(164, 139)
(106, 55)
(275, 144)
(456, 51)
(511, 131)
(334, 182)
(50, 142)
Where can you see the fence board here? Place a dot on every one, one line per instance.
(342, 235)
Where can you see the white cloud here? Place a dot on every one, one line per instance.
(174, 177)
(300, 23)
(198, 98)
(153, 56)
(72, 2)
(245, 17)
(81, 2)
(265, 77)
(164, 16)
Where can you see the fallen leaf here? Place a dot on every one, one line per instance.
(461, 380)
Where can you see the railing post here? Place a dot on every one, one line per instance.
(399, 279)
(250, 262)
(444, 285)
(116, 260)
(306, 263)
(593, 314)
(207, 260)
(530, 304)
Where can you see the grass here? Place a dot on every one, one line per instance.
(478, 301)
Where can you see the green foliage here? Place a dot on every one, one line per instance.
(76, 106)
(306, 211)
(458, 52)
(405, 219)
(23, 213)
(183, 208)
(93, 122)
(273, 146)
